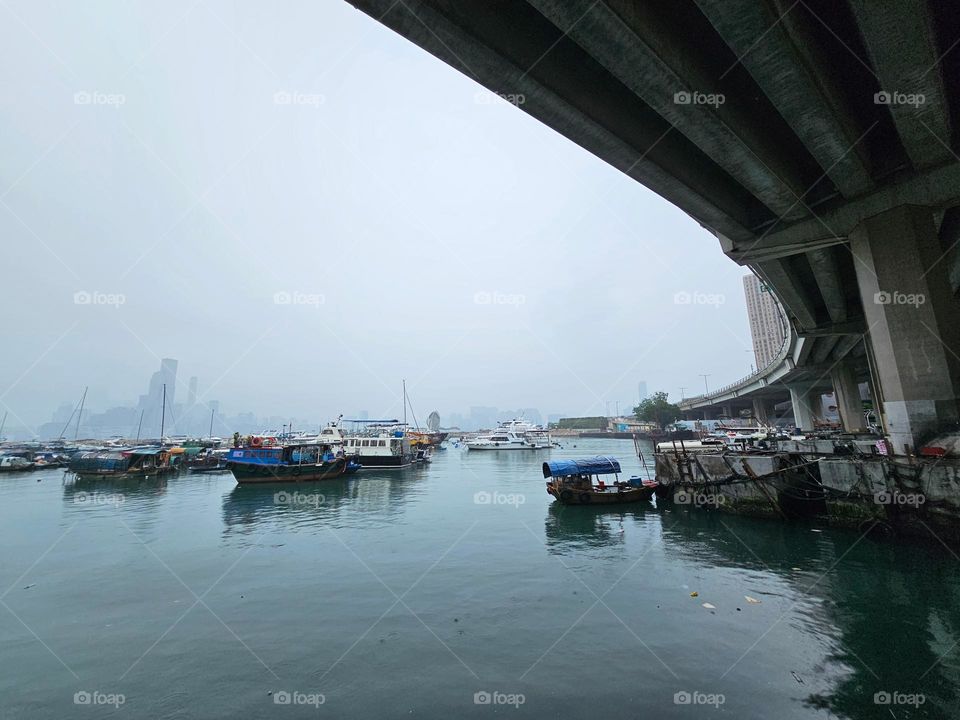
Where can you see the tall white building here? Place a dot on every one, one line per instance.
(765, 323)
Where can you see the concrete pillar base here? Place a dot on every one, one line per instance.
(760, 411)
(847, 393)
(913, 322)
(803, 408)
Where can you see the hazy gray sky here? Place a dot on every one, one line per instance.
(420, 227)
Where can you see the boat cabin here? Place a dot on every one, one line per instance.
(306, 454)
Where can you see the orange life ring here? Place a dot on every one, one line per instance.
(256, 441)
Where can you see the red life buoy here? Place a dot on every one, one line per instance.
(256, 441)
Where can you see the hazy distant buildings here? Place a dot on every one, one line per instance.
(192, 418)
(765, 324)
(642, 390)
(192, 391)
(152, 404)
(486, 418)
(483, 417)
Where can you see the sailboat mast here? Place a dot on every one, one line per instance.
(163, 412)
(3, 425)
(210, 434)
(76, 431)
(404, 403)
(139, 425)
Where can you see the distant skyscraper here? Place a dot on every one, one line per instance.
(765, 325)
(642, 390)
(152, 403)
(192, 392)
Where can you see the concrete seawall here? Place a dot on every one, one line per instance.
(898, 496)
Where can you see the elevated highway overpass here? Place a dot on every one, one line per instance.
(816, 139)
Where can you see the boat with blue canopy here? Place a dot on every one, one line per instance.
(258, 463)
(580, 482)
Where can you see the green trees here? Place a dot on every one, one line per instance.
(658, 409)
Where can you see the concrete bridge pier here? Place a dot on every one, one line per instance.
(847, 394)
(806, 405)
(760, 410)
(910, 314)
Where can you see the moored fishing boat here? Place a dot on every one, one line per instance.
(288, 463)
(578, 482)
(424, 437)
(15, 463)
(384, 446)
(134, 462)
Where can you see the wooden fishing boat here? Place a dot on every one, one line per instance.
(14, 463)
(578, 482)
(135, 462)
(288, 463)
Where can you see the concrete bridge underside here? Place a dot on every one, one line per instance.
(816, 139)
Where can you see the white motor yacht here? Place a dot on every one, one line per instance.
(516, 434)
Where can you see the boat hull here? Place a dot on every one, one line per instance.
(504, 446)
(207, 469)
(384, 462)
(124, 474)
(255, 473)
(569, 496)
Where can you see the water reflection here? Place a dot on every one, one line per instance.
(100, 490)
(570, 527)
(372, 498)
(864, 598)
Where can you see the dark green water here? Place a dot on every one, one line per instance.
(398, 595)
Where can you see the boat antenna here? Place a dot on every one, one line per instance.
(212, 411)
(76, 432)
(163, 412)
(139, 425)
(404, 402)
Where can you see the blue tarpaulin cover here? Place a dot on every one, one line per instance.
(599, 465)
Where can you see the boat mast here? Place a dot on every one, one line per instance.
(139, 425)
(76, 431)
(163, 412)
(404, 403)
(212, 411)
(406, 399)
(3, 424)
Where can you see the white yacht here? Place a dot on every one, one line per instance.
(516, 434)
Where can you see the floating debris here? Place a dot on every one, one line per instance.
(751, 600)
(708, 606)
(797, 677)
(27, 587)
(694, 594)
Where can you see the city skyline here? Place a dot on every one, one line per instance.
(143, 418)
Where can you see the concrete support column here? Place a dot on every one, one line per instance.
(846, 390)
(760, 410)
(727, 410)
(803, 408)
(913, 322)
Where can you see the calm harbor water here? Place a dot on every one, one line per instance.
(419, 594)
